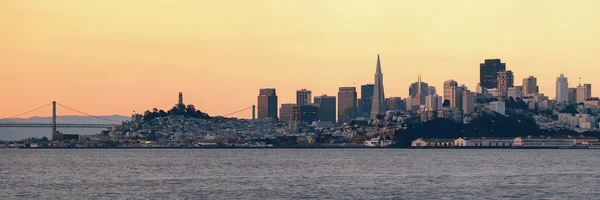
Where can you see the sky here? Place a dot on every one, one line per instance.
(119, 56)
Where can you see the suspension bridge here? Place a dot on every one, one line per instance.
(99, 122)
(16, 122)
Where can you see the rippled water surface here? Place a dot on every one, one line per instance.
(299, 173)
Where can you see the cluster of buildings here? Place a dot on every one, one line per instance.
(495, 91)
(526, 142)
(369, 118)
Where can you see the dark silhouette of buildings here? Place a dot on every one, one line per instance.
(395, 103)
(366, 99)
(307, 113)
(488, 73)
(417, 92)
(327, 108)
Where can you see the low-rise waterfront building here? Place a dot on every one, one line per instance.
(544, 142)
(484, 142)
(433, 142)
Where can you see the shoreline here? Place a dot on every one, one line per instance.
(300, 147)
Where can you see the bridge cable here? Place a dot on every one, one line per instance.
(237, 111)
(27, 112)
(86, 113)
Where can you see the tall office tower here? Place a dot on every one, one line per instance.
(562, 89)
(488, 73)
(530, 86)
(307, 113)
(394, 103)
(468, 100)
(346, 104)
(407, 103)
(418, 91)
(303, 97)
(515, 92)
(378, 104)
(327, 108)
(456, 99)
(433, 102)
(572, 95)
(431, 90)
(286, 112)
(366, 100)
(180, 102)
(267, 103)
(448, 89)
(584, 92)
(478, 89)
(505, 80)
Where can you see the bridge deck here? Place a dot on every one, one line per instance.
(38, 125)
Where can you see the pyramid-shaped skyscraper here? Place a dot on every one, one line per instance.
(378, 106)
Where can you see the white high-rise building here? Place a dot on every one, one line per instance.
(456, 98)
(303, 97)
(468, 101)
(433, 102)
(562, 89)
(408, 103)
(515, 92)
(584, 92)
(498, 106)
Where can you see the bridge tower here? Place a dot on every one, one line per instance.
(53, 117)
(253, 112)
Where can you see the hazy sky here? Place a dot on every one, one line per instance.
(113, 57)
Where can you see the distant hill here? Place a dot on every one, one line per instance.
(69, 119)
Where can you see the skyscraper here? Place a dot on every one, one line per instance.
(515, 92)
(267, 103)
(303, 97)
(468, 102)
(433, 102)
(572, 95)
(366, 100)
(488, 73)
(346, 104)
(307, 113)
(378, 105)
(327, 108)
(530, 86)
(431, 90)
(584, 92)
(394, 103)
(505, 80)
(417, 92)
(562, 89)
(456, 99)
(448, 89)
(286, 112)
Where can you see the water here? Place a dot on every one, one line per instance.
(299, 173)
(10, 134)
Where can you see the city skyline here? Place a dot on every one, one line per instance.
(75, 53)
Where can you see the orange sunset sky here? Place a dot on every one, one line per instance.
(116, 56)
